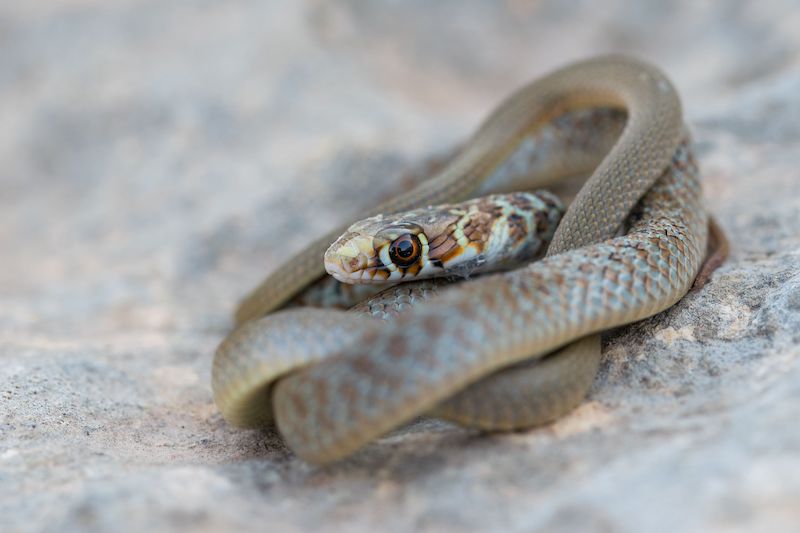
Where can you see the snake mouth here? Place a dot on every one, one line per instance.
(347, 270)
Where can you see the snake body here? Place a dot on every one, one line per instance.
(334, 380)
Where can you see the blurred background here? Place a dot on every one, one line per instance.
(158, 158)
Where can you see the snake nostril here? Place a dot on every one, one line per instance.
(355, 264)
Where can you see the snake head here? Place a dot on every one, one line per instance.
(385, 249)
(491, 233)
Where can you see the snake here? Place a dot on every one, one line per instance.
(498, 351)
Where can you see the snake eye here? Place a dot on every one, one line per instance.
(405, 250)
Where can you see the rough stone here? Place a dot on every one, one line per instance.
(158, 158)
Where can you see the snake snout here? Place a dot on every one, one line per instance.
(347, 259)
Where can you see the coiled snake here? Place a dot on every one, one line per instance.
(629, 245)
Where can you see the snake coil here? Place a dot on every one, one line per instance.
(506, 350)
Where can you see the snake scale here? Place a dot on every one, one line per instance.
(500, 351)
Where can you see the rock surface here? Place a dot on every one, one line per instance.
(158, 158)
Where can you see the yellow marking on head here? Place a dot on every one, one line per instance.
(423, 255)
(348, 251)
(385, 259)
(366, 247)
(454, 252)
(412, 270)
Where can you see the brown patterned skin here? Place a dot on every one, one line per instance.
(335, 380)
(491, 233)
